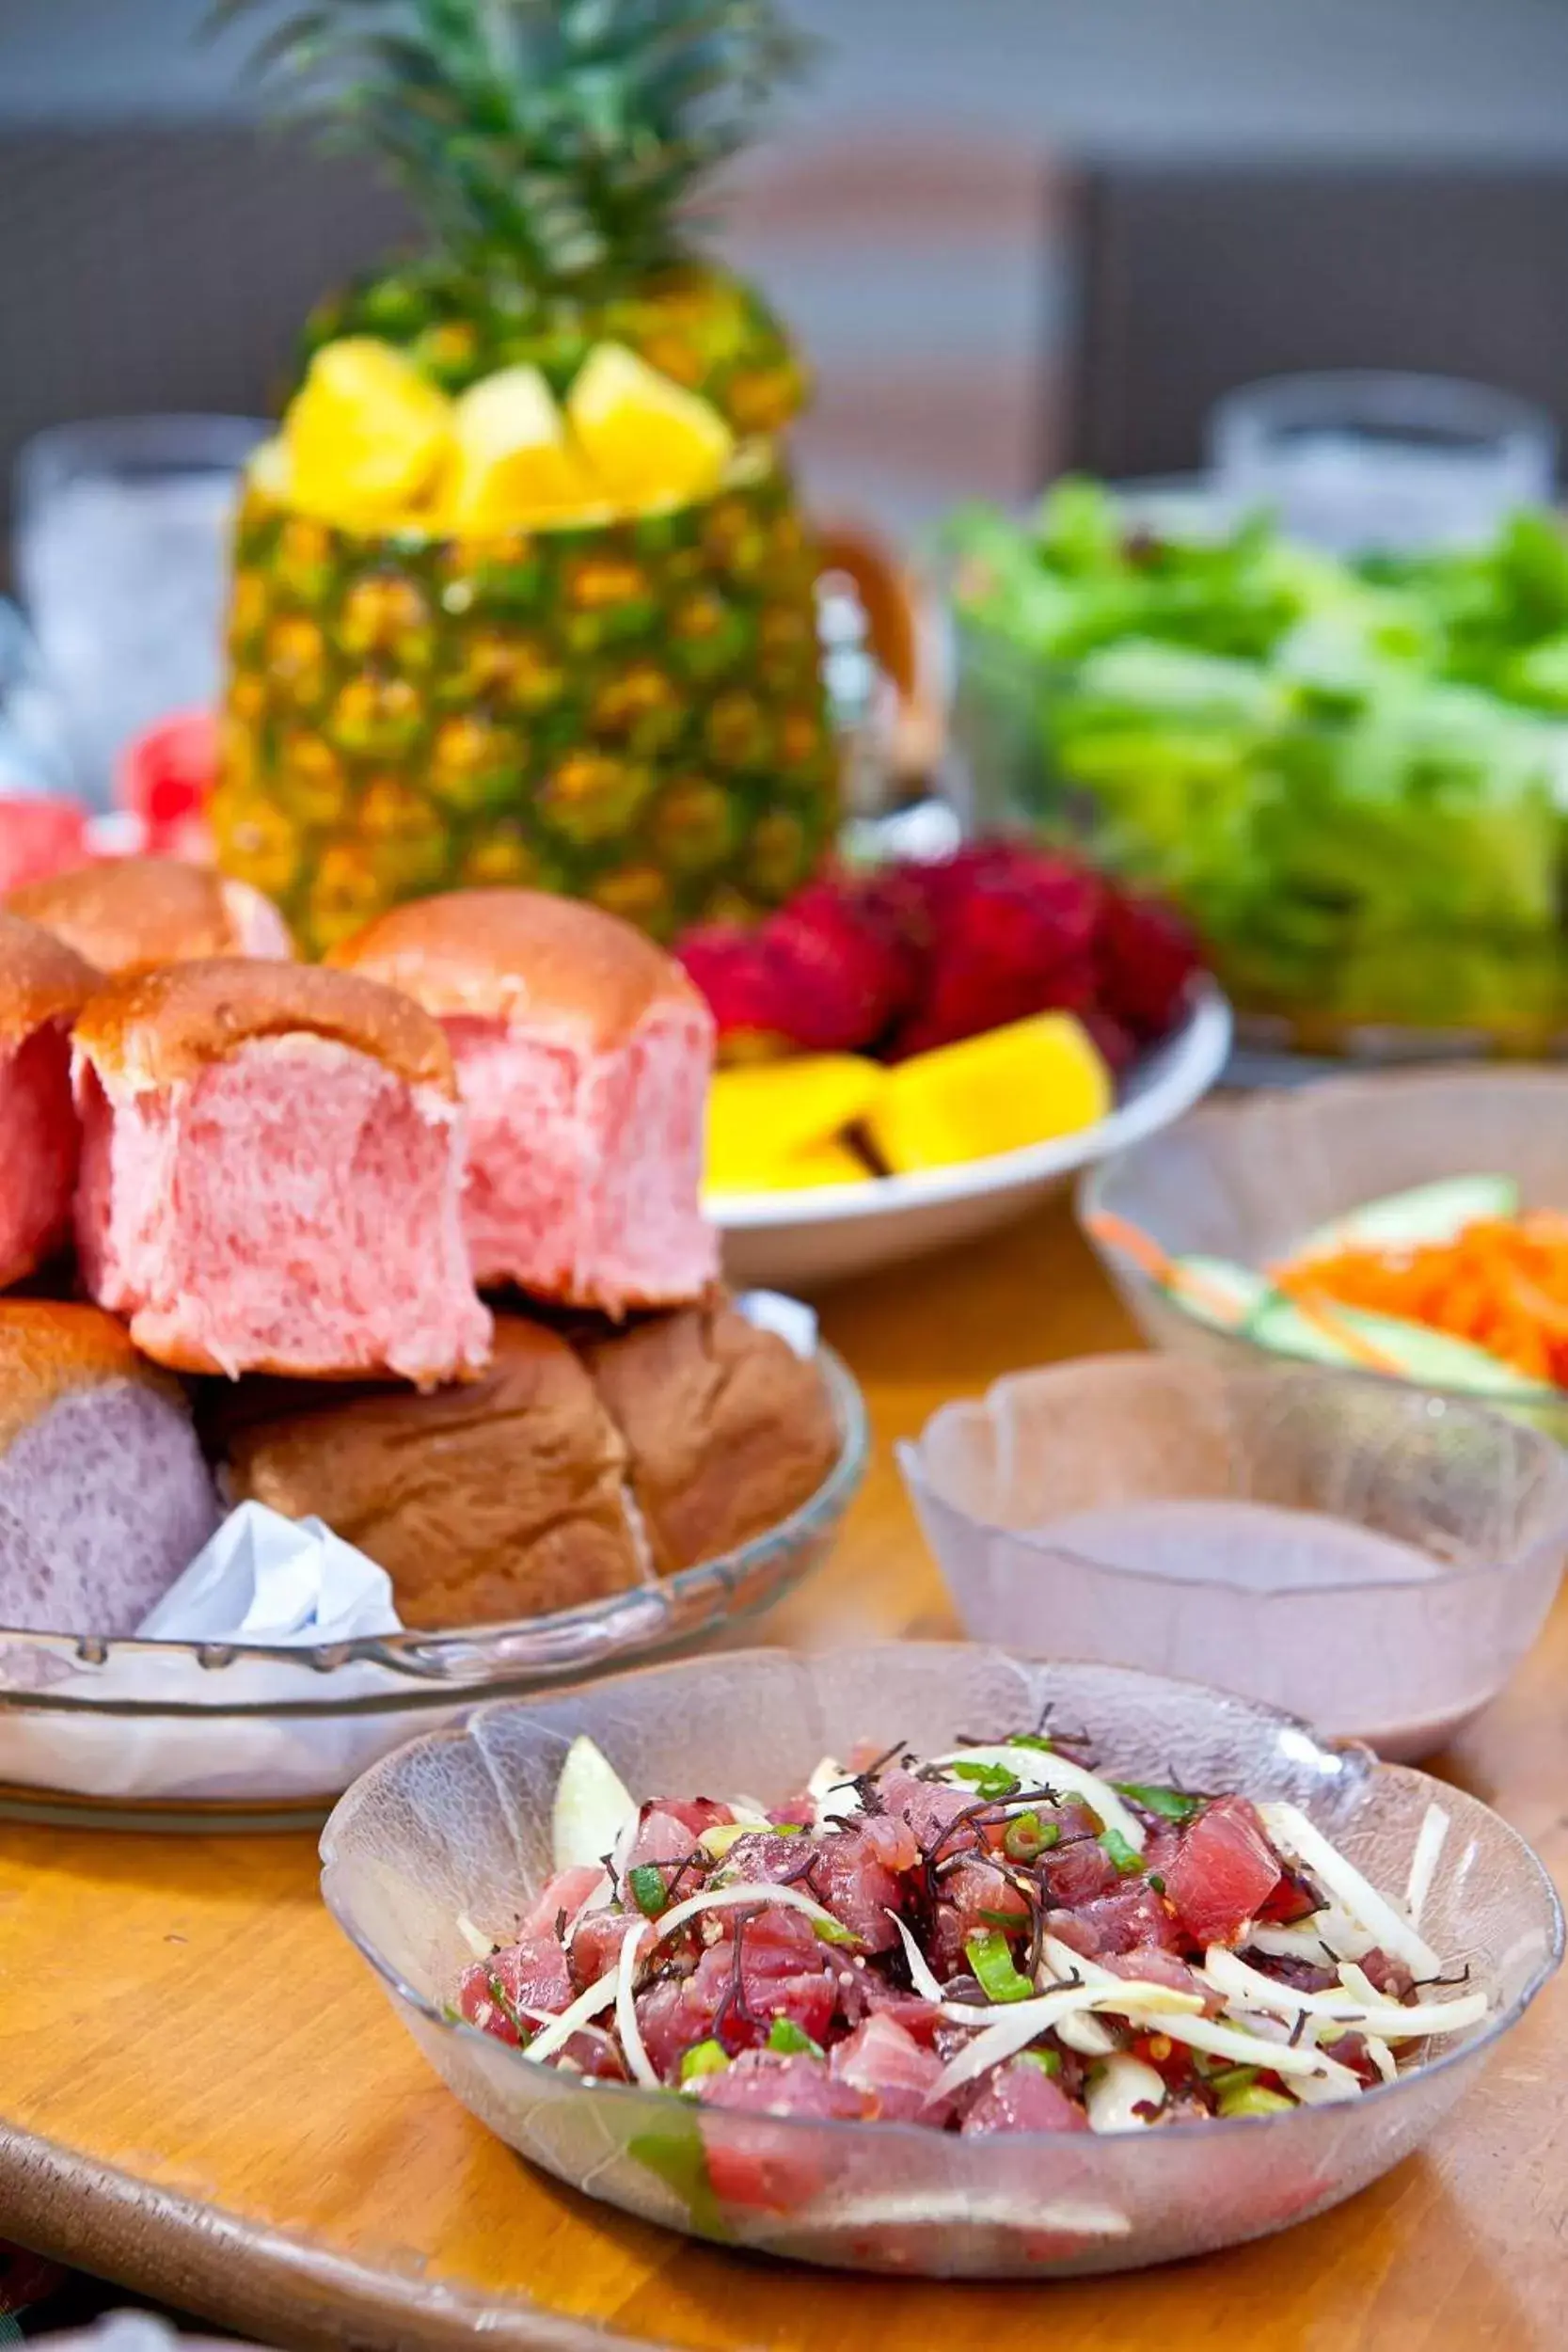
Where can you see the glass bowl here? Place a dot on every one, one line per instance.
(207, 1734)
(1371, 1558)
(1369, 849)
(1246, 1179)
(460, 1824)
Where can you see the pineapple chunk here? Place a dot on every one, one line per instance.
(1015, 1086)
(513, 460)
(824, 1163)
(366, 435)
(645, 437)
(770, 1124)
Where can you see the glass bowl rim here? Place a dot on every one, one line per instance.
(1268, 1369)
(1096, 1181)
(433, 1661)
(894, 2135)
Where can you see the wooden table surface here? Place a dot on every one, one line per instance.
(206, 2096)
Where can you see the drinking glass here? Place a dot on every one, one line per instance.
(122, 556)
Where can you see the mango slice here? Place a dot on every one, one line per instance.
(366, 435)
(1024, 1084)
(645, 438)
(514, 460)
(764, 1118)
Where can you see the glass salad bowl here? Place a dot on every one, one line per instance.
(1247, 1180)
(216, 1734)
(1345, 772)
(456, 1828)
(1373, 1559)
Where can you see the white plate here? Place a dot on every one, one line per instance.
(801, 1240)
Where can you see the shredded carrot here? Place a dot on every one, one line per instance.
(1502, 1284)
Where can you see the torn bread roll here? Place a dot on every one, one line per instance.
(271, 1179)
(43, 986)
(583, 1055)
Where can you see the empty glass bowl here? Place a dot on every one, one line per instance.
(1247, 1179)
(459, 1826)
(1374, 1559)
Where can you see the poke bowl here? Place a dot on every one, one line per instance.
(436, 1855)
(1221, 1234)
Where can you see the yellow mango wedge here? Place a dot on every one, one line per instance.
(1024, 1084)
(645, 437)
(367, 436)
(770, 1123)
(514, 460)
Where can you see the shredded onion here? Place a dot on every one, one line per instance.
(1289, 1828)
(834, 1797)
(481, 1945)
(1361, 2004)
(922, 1975)
(1087, 2034)
(1430, 1842)
(1117, 2087)
(1044, 1768)
(1246, 2049)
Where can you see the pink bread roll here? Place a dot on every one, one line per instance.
(43, 986)
(583, 1055)
(272, 1160)
(132, 914)
(105, 1497)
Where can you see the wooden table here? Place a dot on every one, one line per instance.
(206, 2096)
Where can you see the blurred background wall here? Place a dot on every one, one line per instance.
(918, 214)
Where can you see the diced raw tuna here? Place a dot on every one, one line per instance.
(893, 2070)
(968, 1894)
(530, 1977)
(1224, 1871)
(1123, 1922)
(763, 2082)
(928, 1806)
(1023, 2097)
(858, 1888)
(891, 1840)
(661, 1837)
(565, 1893)
(597, 1945)
(1389, 1976)
(777, 2170)
(1080, 1872)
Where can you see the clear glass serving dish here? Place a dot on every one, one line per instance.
(174, 1734)
(1370, 1558)
(461, 1826)
(1349, 778)
(1246, 1179)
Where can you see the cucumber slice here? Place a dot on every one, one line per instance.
(1216, 1292)
(1407, 1220)
(1409, 1350)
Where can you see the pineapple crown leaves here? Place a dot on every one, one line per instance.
(555, 139)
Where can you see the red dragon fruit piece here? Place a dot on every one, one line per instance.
(823, 974)
(1147, 955)
(1013, 933)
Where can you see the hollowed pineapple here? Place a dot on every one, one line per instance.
(525, 596)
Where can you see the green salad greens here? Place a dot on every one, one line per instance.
(1353, 776)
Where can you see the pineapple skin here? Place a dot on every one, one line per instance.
(628, 711)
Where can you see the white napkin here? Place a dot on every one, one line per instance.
(790, 1319)
(269, 1580)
